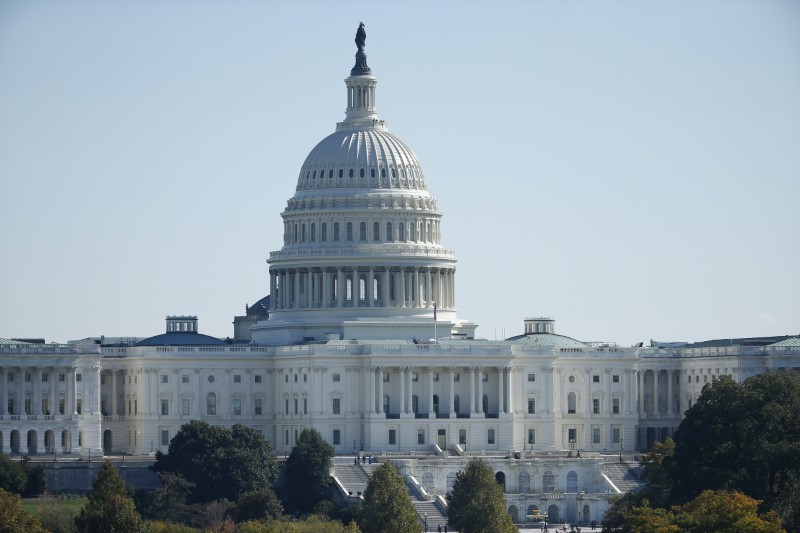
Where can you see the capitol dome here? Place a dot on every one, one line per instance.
(362, 254)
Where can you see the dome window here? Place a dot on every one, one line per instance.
(350, 174)
(314, 175)
(323, 232)
(330, 173)
(389, 232)
(349, 231)
(313, 232)
(394, 174)
(303, 233)
(341, 172)
(383, 172)
(372, 173)
(362, 231)
(336, 231)
(376, 232)
(401, 232)
(361, 173)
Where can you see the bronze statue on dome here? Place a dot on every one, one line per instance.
(361, 36)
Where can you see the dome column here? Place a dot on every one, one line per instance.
(401, 294)
(385, 287)
(339, 288)
(371, 288)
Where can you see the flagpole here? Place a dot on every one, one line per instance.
(434, 322)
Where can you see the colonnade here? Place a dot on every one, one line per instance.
(658, 394)
(326, 288)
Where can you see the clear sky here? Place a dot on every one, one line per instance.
(630, 168)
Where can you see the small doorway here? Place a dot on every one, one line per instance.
(442, 439)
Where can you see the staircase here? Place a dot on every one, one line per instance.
(352, 477)
(622, 476)
(434, 514)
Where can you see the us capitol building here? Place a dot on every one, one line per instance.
(360, 339)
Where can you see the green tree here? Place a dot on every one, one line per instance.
(221, 463)
(308, 471)
(476, 503)
(387, 507)
(725, 512)
(13, 475)
(109, 509)
(169, 501)
(14, 518)
(646, 519)
(743, 437)
(257, 505)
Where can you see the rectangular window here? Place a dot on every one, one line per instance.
(11, 378)
(258, 406)
(596, 406)
(305, 406)
(456, 377)
(295, 378)
(237, 406)
(337, 377)
(185, 378)
(237, 378)
(295, 406)
(44, 378)
(11, 406)
(484, 377)
(385, 377)
(337, 437)
(572, 434)
(420, 436)
(165, 437)
(165, 407)
(462, 437)
(28, 410)
(595, 379)
(435, 376)
(531, 436)
(28, 377)
(615, 406)
(336, 408)
(164, 378)
(414, 376)
(596, 435)
(185, 406)
(531, 406)
(490, 436)
(531, 377)
(286, 378)
(286, 405)
(258, 378)
(62, 406)
(392, 437)
(615, 378)
(80, 406)
(61, 377)
(615, 435)
(305, 378)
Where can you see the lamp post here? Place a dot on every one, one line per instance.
(425, 518)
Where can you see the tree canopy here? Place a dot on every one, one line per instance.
(109, 509)
(14, 518)
(308, 471)
(220, 463)
(387, 507)
(476, 503)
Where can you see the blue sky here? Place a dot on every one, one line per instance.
(630, 168)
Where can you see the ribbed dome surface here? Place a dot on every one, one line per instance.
(364, 158)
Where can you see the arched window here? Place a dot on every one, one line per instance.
(394, 173)
(548, 482)
(436, 403)
(389, 232)
(362, 231)
(524, 482)
(362, 288)
(313, 232)
(211, 404)
(323, 232)
(376, 288)
(571, 402)
(401, 232)
(553, 514)
(294, 236)
(314, 175)
(349, 289)
(361, 172)
(413, 233)
(372, 172)
(572, 482)
(336, 232)
(349, 231)
(341, 172)
(303, 231)
(335, 289)
(350, 174)
(330, 173)
(383, 172)
(376, 231)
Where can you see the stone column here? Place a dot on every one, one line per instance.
(557, 401)
(431, 412)
(36, 394)
(114, 394)
(670, 378)
(340, 293)
(501, 374)
(198, 400)
(72, 396)
(296, 292)
(472, 408)
(380, 391)
(401, 292)
(415, 295)
(371, 289)
(428, 288)
(479, 403)
(371, 389)
(401, 374)
(510, 390)
(452, 380)
(640, 394)
(410, 397)
(385, 277)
